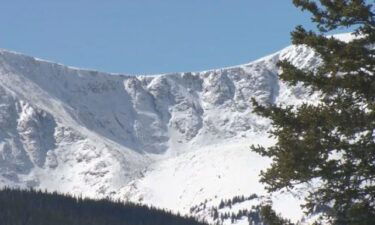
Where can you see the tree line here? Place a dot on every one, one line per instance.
(32, 207)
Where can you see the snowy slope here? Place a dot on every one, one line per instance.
(224, 167)
(171, 140)
(209, 175)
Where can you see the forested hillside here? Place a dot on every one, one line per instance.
(30, 207)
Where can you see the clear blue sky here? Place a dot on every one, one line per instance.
(148, 36)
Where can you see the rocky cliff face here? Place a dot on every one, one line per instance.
(98, 134)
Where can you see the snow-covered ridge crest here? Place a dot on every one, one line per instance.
(104, 135)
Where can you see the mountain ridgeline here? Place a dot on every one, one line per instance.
(99, 131)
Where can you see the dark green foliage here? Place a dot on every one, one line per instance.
(332, 141)
(269, 216)
(29, 207)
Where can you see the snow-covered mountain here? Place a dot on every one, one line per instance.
(176, 141)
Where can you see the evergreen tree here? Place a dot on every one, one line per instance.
(270, 217)
(333, 141)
